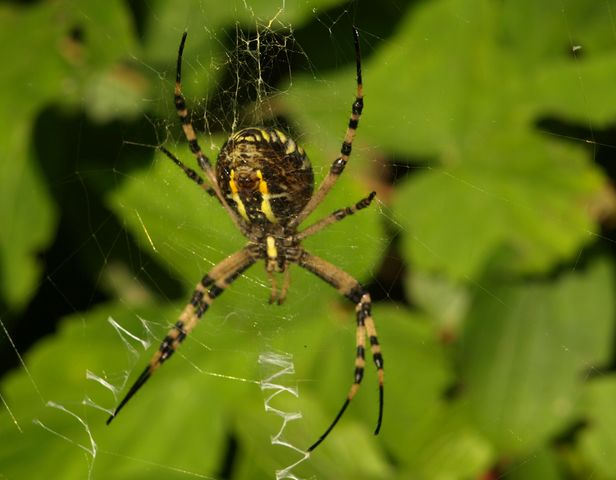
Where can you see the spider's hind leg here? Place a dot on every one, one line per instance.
(350, 288)
(210, 287)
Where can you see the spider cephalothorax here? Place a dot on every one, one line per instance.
(264, 181)
(265, 175)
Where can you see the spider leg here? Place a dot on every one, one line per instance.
(350, 288)
(286, 281)
(273, 286)
(191, 136)
(190, 173)
(335, 217)
(279, 296)
(338, 165)
(210, 286)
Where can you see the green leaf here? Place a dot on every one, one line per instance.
(541, 465)
(428, 437)
(59, 409)
(532, 204)
(445, 301)
(597, 442)
(44, 62)
(524, 350)
(502, 195)
(188, 231)
(460, 84)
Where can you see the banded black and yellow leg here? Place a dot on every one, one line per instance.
(364, 311)
(350, 288)
(190, 173)
(210, 287)
(364, 317)
(337, 167)
(335, 217)
(191, 136)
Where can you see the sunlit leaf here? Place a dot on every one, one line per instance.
(525, 350)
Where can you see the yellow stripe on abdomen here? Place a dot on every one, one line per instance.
(236, 197)
(266, 206)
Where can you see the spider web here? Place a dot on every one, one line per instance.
(256, 70)
(258, 75)
(255, 59)
(255, 67)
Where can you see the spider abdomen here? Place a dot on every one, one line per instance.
(265, 175)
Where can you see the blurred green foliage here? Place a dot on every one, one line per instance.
(499, 345)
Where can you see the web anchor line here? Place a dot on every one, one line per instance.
(285, 366)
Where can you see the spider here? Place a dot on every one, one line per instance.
(264, 180)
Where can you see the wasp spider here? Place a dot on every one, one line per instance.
(264, 180)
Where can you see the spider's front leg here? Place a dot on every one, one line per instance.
(350, 288)
(338, 165)
(210, 287)
(189, 131)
